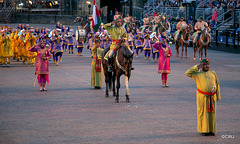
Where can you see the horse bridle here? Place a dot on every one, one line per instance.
(187, 28)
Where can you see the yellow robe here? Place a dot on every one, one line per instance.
(96, 77)
(30, 41)
(205, 82)
(22, 45)
(116, 33)
(6, 48)
(15, 45)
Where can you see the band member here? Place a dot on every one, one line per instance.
(154, 40)
(199, 26)
(164, 59)
(90, 40)
(146, 22)
(64, 34)
(57, 47)
(70, 39)
(96, 67)
(107, 40)
(147, 46)
(138, 42)
(130, 40)
(22, 45)
(207, 96)
(16, 44)
(42, 71)
(30, 41)
(118, 33)
(79, 40)
(178, 33)
(6, 49)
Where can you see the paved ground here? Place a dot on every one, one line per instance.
(73, 112)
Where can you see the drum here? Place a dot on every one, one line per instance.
(80, 35)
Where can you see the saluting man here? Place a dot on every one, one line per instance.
(208, 94)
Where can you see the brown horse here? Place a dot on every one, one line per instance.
(83, 23)
(184, 39)
(122, 65)
(202, 42)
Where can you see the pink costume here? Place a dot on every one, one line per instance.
(42, 65)
(163, 61)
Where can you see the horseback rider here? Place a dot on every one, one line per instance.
(179, 28)
(199, 26)
(90, 21)
(118, 34)
(146, 22)
(157, 21)
(117, 15)
(127, 21)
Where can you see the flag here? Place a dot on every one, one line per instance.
(154, 14)
(96, 21)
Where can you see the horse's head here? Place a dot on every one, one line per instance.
(125, 58)
(78, 19)
(205, 31)
(189, 29)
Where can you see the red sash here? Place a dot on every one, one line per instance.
(210, 104)
(97, 64)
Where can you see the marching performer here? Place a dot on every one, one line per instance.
(147, 46)
(80, 40)
(64, 34)
(130, 40)
(7, 50)
(70, 39)
(96, 67)
(90, 40)
(154, 40)
(30, 41)
(164, 59)
(107, 40)
(208, 94)
(57, 47)
(138, 42)
(42, 71)
(22, 45)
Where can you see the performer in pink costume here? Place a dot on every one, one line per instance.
(43, 55)
(163, 62)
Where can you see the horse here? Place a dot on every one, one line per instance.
(203, 42)
(184, 39)
(122, 65)
(83, 23)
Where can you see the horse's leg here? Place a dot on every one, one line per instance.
(118, 86)
(182, 43)
(200, 52)
(206, 51)
(195, 49)
(127, 89)
(113, 84)
(186, 51)
(106, 81)
(177, 48)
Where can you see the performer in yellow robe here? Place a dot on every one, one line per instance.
(15, 45)
(117, 33)
(21, 48)
(6, 49)
(207, 96)
(30, 56)
(96, 68)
